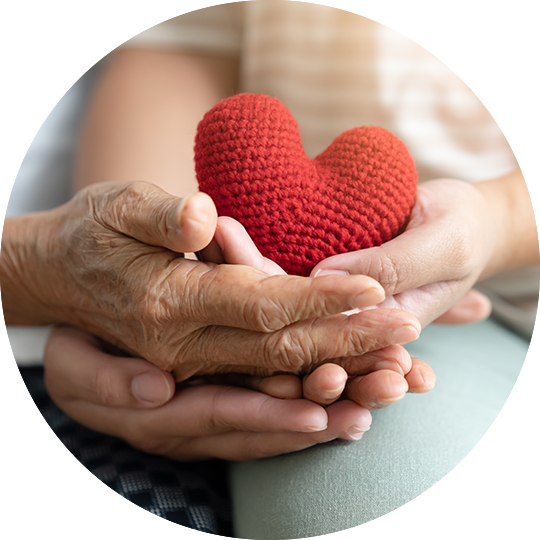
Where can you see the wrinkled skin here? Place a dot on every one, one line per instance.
(114, 269)
(226, 416)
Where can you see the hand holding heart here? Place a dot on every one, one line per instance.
(333, 213)
(446, 247)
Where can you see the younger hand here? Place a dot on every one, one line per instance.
(134, 400)
(429, 268)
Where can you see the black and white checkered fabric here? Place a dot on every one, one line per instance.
(60, 481)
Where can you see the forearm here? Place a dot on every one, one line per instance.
(22, 262)
(512, 218)
(143, 116)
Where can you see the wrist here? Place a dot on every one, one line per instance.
(25, 276)
(499, 202)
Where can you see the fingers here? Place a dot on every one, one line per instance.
(434, 247)
(377, 389)
(238, 247)
(325, 384)
(152, 216)
(77, 369)
(300, 347)
(385, 387)
(278, 386)
(233, 245)
(199, 412)
(473, 307)
(245, 446)
(208, 409)
(436, 302)
(394, 357)
(242, 297)
(346, 420)
(421, 378)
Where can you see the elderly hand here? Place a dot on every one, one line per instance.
(382, 377)
(108, 262)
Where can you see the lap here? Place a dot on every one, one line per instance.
(59, 480)
(409, 447)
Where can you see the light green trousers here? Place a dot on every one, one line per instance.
(410, 446)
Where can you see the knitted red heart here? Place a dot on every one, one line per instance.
(356, 194)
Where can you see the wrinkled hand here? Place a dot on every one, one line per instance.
(384, 375)
(113, 268)
(136, 401)
(430, 268)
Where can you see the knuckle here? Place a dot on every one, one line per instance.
(129, 199)
(370, 336)
(290, 351)
(260, 312)
(112, 208)
(134, 192)
(266, 313)
(197, 289)
(385, 270)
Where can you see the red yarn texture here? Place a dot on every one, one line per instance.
(356, 194)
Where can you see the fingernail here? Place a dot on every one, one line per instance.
(180, 209)
(328, 272)
(371, 296)
(331, 394)
(356, 433)
(311, 429)
(385, 402)
(405, 334)
(388, 364)
(399, 391)
(197, 215)
(152, 387)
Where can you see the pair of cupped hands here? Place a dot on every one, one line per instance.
(232, 358)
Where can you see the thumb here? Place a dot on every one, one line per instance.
(147, 213)
(77, 369)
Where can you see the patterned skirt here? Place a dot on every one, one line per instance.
(60, 481)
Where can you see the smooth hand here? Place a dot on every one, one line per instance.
(429, 270)
(136, 401)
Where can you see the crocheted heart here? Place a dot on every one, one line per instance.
(356, 194)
